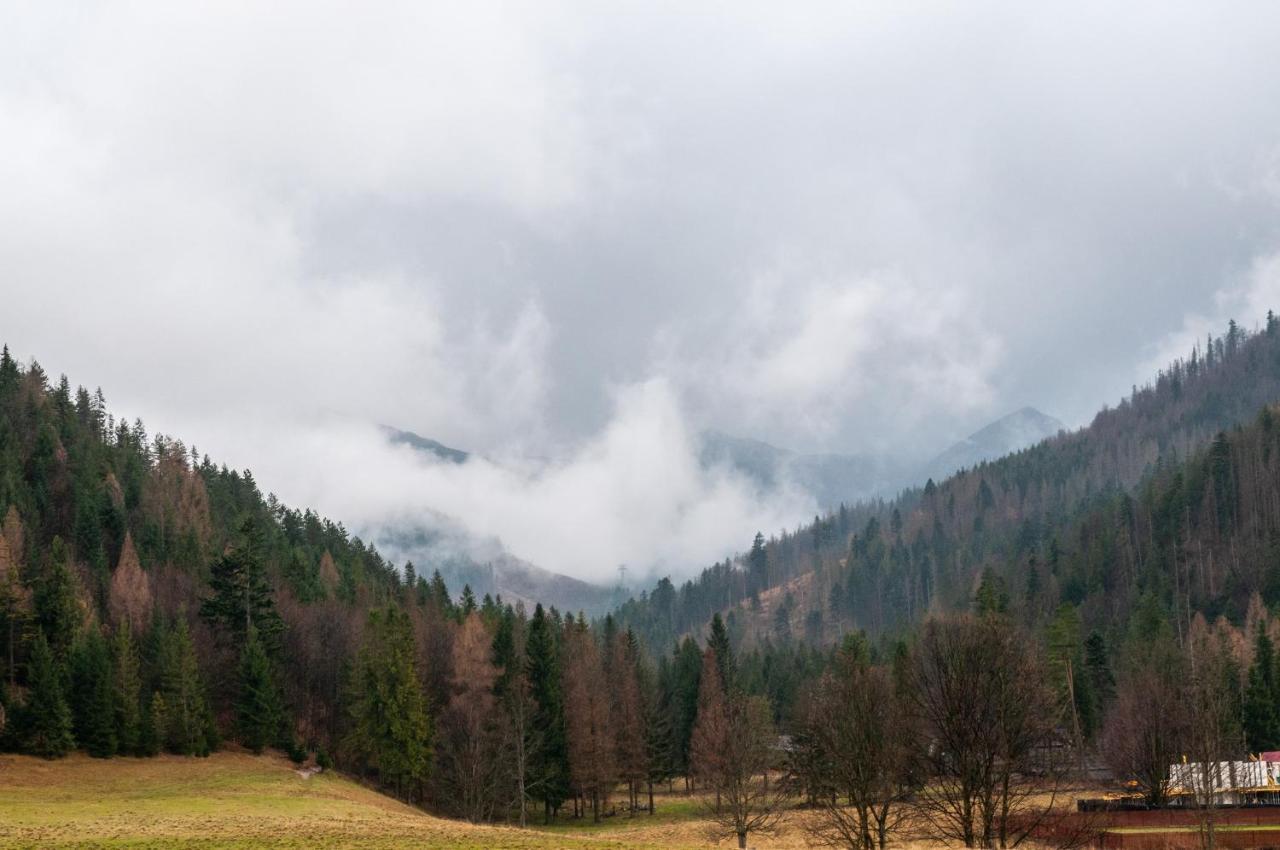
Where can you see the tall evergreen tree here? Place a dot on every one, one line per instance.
(57, 612)
(718, 642)
(1261, 713)
(757, 567)
(391, 731)
(47, 717)
(259, 716)
(549, 770)
(242, 597)
(188, 724)
(126, 691)
(92, 700)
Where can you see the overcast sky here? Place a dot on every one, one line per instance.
(570, 240)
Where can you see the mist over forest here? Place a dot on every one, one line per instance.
(544, 417)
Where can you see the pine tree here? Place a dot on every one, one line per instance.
(719, 644)
(1097, 664)
(391, 729)
(1261, 715)
(56, 609)
(258, 713)
(187, 729)
(242, 595)
(126, 691)
(992, 597)
(48, 722)
(687, 673)
(757, 567)
(549, 769)
(151, 733)
(91, 695)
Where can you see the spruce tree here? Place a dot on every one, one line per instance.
(56, 609)
(757, 567)
(1097, 664)
(126, 691)
(187, 728)
(92, 700)
(549, 769)
(718, 643)
(242, 596)
(48, 722)
(1261, 716)
(391, 731)
(258, 713)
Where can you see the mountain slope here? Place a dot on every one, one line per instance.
(424, 444)
(438, 543)
(831, 479)
(434, 542)
(1006, 435)
(880, 566)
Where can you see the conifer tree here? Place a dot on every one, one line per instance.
(549, 768)
(242, 595)
(391, 729)
(718, 643)
(126, 690)
(686, 673)
(187, 728)
(56, 609)
(48, 726)
(467, 603)
(91, 695)
(757, 567)
(1261, 714)
(258, 713)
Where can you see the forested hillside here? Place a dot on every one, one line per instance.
(880, 566)
(151, 600)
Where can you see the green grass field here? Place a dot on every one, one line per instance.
(235, 800)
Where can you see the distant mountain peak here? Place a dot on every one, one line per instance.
(1010, 433)
(424, 444)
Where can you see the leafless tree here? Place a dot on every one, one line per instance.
(978, 690)
(130, 594)
(866, 752)
(732, 752)
(1213, 734)
(592, 763)
(467, 737)
(1146, 729)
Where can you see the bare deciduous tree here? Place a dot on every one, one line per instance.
(732, 752)
(130, 594)
(592, 765)
(979, 692)
(467, 741)
(866, 752)
(1145, 730)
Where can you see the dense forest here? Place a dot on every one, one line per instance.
(152, 600)
(1041, 523)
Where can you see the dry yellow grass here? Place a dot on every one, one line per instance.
(232, 800)
(243, 802)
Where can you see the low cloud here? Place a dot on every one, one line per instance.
(568, 241)
(634, 494)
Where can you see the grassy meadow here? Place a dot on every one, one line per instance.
(236, 800)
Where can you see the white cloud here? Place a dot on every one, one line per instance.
(547, 231)
(795, 360)
(1255, 293)
(634, 494)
